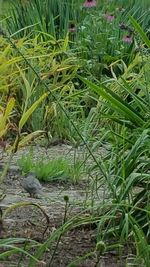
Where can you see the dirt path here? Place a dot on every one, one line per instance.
(29, 221)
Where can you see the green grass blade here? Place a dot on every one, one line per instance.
(140, 31)
(116, 102)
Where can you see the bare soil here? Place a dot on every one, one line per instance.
(38, 219)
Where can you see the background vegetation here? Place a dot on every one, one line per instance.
(82, 74)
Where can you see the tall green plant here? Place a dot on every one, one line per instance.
(50, 16)
(127, 166)
(56, 67)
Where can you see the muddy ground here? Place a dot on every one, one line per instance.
(30, 222)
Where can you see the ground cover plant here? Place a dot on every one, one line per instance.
(83, 79)
(55, 170)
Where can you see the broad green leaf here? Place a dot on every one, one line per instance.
(26, 83)
(116, 102)
(28, 113)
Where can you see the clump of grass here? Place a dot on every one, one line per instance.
(25, 163)
(54, 170)
(58, 170)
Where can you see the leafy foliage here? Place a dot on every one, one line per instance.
(49, 16)
(108, 101)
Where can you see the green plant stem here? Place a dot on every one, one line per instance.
(60, 236)
(20, 258)
(16, 143)
(14, 150)
(6, 167)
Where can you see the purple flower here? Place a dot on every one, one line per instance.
(109, 17)
(127, 39)
(72, 27)
(89, 3)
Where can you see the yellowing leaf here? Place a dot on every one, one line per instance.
(3, 131)
(29, 137)
(9, 107)
(2, 122)
(5, 117)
